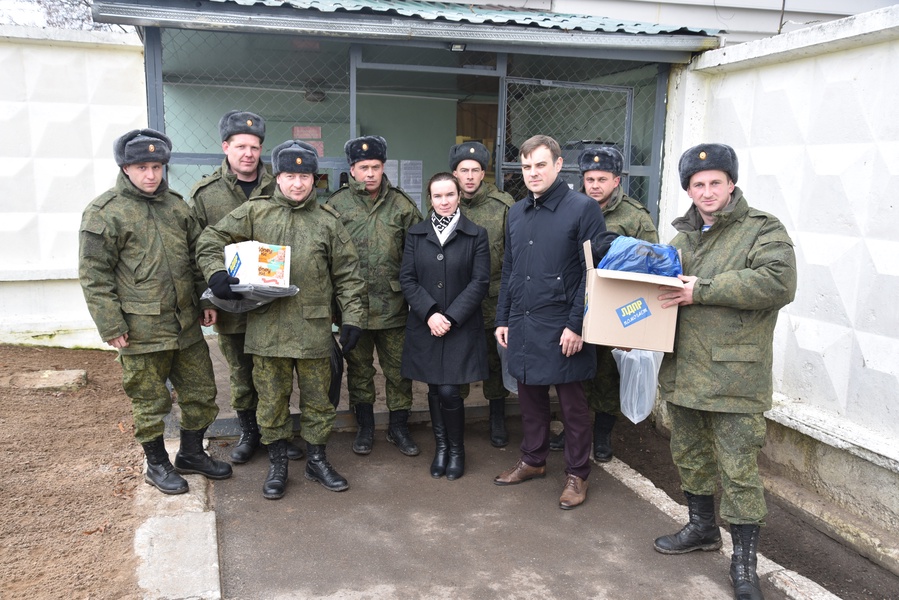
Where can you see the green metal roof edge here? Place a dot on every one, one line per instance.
(479, 15)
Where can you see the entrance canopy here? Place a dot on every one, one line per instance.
(486, 28)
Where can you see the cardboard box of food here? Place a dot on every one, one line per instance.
(622, 309)
(259, 264)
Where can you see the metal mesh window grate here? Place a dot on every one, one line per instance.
(292, 82)
(302, 88)
(581, 103)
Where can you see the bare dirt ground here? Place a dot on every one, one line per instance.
(70, 467)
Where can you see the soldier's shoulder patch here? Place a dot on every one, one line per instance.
(330, 210)
(399, 192)
(772, 230)
(206, 181)
(339, 194)
(502, 197)
(103, 199)
(634, 202)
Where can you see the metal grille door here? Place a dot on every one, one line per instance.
(577, 115)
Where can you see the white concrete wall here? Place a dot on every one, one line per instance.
(812, 117)
(66, 96)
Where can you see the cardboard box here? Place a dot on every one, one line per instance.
(259, 264)
(622, 309)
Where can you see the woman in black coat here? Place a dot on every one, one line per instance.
(445, 275)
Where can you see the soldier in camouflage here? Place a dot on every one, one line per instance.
(377, 215)
(293, 334)
(141, 285)
(241, 176)
(601, 170)
(488, 207)
(739, 271)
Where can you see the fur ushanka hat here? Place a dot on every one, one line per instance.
(604, 158)
(367, 147)
(140, 146)
(469, 151)
(707, 157)
(294, 156)
(239, 121)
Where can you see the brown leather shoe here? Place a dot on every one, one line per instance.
(520, 473)
(574, 493)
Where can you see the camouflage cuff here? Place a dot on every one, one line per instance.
(699, 290)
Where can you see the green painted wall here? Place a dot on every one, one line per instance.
(415, 129)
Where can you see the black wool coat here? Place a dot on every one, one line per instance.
(452, 280)
(542, 290)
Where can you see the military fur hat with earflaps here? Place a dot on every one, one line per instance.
(707, 157)
(142, 146)
(469, 151)
(368, 147)
(604, 158)
(239, 121)
(294, 156)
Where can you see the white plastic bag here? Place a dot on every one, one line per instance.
(639, 370)
(509, 382)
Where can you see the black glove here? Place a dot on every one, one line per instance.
(601, 245)
(349, 337)
(220, 284)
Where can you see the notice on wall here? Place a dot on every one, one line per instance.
(392, 171)
(411, 179)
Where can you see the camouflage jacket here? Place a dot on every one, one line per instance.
(489, 208)
(137, 269)
(323, 264)
(211, 199)
(723, 351)
(627, 216)
(378, 227)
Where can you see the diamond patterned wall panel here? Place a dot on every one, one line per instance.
(818, 144)
(62, 104)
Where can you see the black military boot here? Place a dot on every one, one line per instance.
(319, 469)
(249, 437)
(700, 533)
(191, 457)
(557, 442)
(499, 437)
(365, 436)
(294, 452)
(602, 436)
(743, 562)
(454, 419)
(441, 447)
(398, 433)
(276, 481)
(160, 472)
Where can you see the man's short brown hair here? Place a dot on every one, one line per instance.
(532, 143)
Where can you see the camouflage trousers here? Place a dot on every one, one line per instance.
(603, 390)
(493, 385)
(705, 444)
(240, 366)
(274, 382)
(189, 370)
(360, 369)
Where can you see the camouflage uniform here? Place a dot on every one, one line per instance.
(624, 216)
(138, 276)
(718, 380)
(489, 207)
(293, 333)
(211, 199)
(378, 228)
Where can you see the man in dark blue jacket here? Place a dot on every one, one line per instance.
(541, 311)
